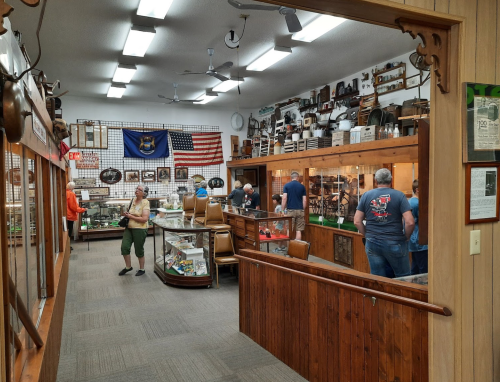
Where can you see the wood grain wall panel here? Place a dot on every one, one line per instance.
(333, 334)
(496, 301)
(426, 4)
(442, 6)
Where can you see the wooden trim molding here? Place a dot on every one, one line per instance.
(436, 50)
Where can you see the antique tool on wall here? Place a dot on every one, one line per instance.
(252, 126)
(14, 114)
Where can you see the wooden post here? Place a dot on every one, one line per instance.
(48, 228)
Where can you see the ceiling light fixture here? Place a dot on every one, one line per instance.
(116, 90)
(156, 9)
(206, 98)
(225, 86)
(269, 58)
(317, 28)
(138, 41)
(124, 73)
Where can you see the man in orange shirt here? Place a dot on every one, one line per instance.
(73, 209)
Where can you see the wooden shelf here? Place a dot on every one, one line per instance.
(304, 108)
(325, 111)
(403, 65)
(416, 116)
(352, 94)
(391, 91)
(392, 80)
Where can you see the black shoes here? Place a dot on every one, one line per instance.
(124, 270)
(71, 248)
(140, 272)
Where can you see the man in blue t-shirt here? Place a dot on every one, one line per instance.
(294, 199)
(252, 198)
(386, 238)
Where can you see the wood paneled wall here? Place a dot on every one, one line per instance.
(327, 333)
(465, 347)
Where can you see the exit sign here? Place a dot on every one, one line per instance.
(75, 156)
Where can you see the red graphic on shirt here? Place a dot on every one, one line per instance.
(379, 207)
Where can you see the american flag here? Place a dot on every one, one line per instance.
(196, 149)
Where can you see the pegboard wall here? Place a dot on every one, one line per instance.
(113, 157)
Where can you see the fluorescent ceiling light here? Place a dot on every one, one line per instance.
(269, 58)
(318, 27)
(124, 73)
(224, 86)
(154, 8)
(138, 41)
(206, 98)
(116, 90)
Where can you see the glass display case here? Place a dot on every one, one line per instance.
(102, 217)
(334, 193)
(182, 252)
(256, 229)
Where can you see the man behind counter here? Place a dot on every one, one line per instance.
(252, 198)
(386, 239)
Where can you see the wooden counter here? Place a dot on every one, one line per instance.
(326, 324)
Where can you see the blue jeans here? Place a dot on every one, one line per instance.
(388, 258)
(419, 261)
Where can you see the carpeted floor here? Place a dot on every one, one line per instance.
(134, 329)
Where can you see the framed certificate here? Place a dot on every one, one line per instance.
(481, 196)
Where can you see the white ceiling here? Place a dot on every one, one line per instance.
(82, 43)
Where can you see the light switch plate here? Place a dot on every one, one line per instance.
(475, 242)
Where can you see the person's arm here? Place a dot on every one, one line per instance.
(283, 201)
(304, 202)
(231, 195)
(359, 216)
(140, 219)
(73, 205)
(409, 224)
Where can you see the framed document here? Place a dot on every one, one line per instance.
(89, 136)
(482, 133)
(481, 195)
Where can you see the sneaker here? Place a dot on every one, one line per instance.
(124, 270)
(282, 249)
(140, 272)
(276, 250)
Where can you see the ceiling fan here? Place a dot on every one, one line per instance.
(292, 21)
(176, 97)
(211, 70)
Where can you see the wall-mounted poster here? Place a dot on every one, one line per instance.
(89, 136)
(89, 160)
(482, 198)
(163, 173)
(110, 176)
(84, 182)
(482, 135)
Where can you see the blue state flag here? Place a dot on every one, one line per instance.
(148, 145)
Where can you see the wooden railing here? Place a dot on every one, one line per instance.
(324, 323)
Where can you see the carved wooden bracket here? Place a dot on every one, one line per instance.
(435, 49)
(5, 10)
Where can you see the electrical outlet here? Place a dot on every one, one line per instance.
(475, 242)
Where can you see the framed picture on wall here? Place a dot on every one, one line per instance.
(111, 176)
(482, 197)
(413, 81)
(181, 173)
(93, 191)
(148, 175)
(131, 175)
(163, 174)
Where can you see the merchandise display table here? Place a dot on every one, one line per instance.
(251, 228)
(182, 252)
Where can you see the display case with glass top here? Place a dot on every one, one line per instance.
(256, 229)
(102, 217)
(182, 252)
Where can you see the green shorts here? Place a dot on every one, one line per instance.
(136, 236)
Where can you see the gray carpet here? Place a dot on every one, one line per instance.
(134, 329)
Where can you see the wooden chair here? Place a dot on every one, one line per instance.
(200, 205)
(223, 251)
(298, 249)
(188, 205)
(214, 218)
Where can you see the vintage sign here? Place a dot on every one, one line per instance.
(89, 160)
(39, 129)
(93, 191)
(84, 182)
(75, 155)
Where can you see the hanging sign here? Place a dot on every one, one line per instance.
(75, 155)
(39, 130)
(89, 160)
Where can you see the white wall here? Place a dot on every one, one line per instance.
(125, 111)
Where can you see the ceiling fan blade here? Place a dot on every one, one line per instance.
(238, 5)
(162, 96)
(225, 65)
(189, 100)
(293, 23)
(218, 76)
(184, 73)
